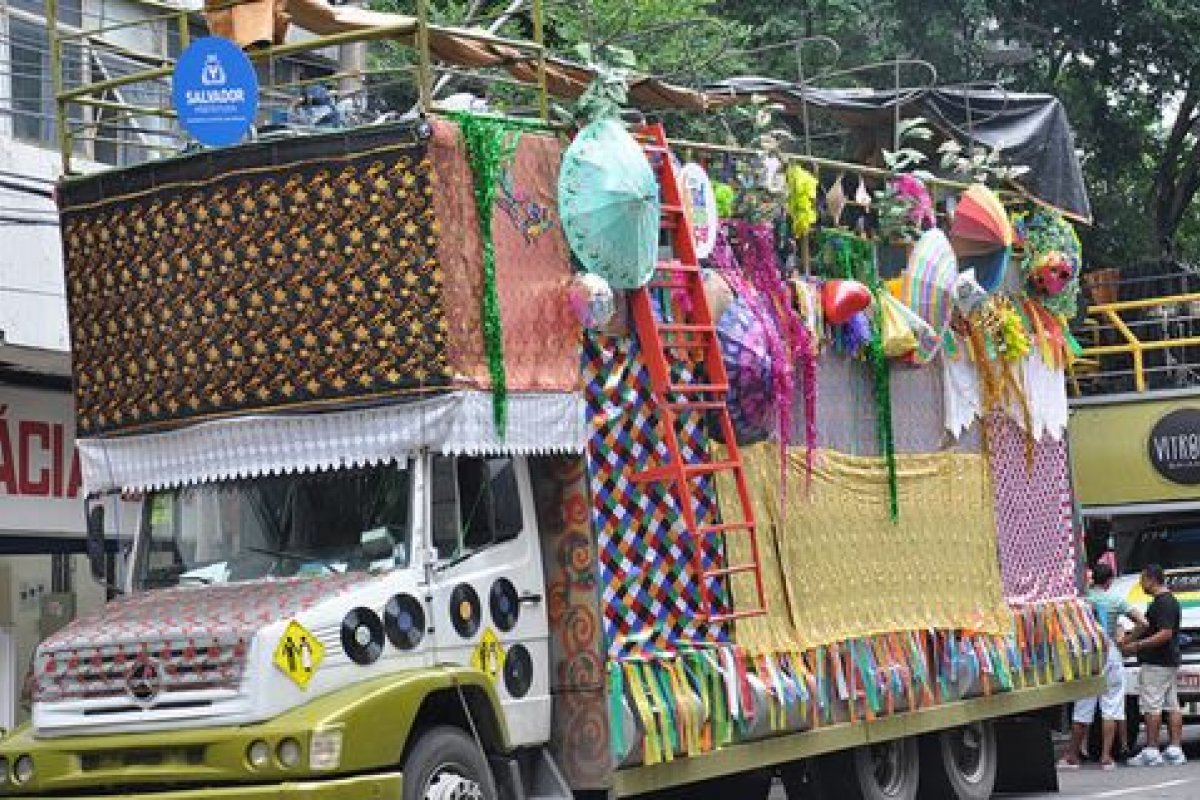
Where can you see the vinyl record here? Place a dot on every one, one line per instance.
(404, 621)
(504, 605)
(465, 611)
(362, 635)
(518, 671)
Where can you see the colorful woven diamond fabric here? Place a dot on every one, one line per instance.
(307, 279)
(1033, 514)
(649, 591)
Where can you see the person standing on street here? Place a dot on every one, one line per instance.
(1109, 607)
(1156, 645)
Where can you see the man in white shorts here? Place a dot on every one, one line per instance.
(1108, 608)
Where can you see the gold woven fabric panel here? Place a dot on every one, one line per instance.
(302, 284)
(835, 567)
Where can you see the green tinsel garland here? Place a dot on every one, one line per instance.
(852, 257)
(881, 370)
(491, 144)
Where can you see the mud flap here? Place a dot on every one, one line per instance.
(1025, 755)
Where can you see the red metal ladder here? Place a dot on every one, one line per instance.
(694, 333)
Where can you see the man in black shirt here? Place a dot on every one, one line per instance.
(1156, 645)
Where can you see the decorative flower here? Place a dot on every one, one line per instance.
(905, 208)
(912, 189)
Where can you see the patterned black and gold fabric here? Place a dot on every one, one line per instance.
(292, 275)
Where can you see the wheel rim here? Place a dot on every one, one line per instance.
(966, 751)
(448, 783)
(889, 767)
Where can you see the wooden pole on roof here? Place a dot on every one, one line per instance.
(424, 70)
(185, 30)
(539, 36)
(56, 82)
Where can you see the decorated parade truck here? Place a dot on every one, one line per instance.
(481, 459)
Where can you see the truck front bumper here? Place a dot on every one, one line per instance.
(378, 786)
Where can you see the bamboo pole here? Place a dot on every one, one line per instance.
(56, 78)
(539, 36)
(424, 73)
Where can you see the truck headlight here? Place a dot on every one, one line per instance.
(23, 769)
(258, 754)
(325, 751)
(289, 753)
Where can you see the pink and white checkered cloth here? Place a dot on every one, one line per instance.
(1034, 532)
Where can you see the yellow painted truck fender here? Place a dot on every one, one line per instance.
(377, 720)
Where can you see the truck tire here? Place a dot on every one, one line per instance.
(959, 764)
(446, 764)
(885, 771)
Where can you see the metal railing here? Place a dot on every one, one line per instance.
(1139, 334)
(88, 113)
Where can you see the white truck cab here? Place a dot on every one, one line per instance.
(253, 596)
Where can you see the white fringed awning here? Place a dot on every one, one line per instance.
(458, 423)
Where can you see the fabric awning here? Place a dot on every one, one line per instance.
(1032, 129)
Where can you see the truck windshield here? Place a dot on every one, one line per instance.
(276, 526)
(1173, 548)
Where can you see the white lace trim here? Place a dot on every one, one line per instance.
(1045, 389)
(458, 423)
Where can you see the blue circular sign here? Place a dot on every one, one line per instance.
(215, 91)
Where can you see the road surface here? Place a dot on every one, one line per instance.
(1130, 783)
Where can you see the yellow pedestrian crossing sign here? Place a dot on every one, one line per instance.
(488, 655)
(299, 653)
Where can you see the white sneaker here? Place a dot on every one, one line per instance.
(1149, 757)
(1174, 756)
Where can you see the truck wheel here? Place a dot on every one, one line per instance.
(885, 771)
(446, 764)
(959, 764)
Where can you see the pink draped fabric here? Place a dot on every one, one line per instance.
(541, 336)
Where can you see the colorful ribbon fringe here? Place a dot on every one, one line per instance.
(699, 700)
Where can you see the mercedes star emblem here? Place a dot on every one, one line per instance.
(143, 682)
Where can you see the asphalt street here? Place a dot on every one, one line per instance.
(1131, 783)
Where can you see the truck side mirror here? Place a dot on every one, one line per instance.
(95, 540)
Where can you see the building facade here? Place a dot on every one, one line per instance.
(44, 576)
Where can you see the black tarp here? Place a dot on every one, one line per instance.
(1032, 129)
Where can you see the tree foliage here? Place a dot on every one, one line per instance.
(1127, 71)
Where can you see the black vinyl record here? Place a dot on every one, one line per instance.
(404, 621)
(362, 635)
(518, 671)
(504, 605)
(465, 611)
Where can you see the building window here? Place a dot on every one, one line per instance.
(70, 12)
(33, 107)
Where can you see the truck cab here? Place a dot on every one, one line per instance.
(253, 604)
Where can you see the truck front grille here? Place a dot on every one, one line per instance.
(145, 673)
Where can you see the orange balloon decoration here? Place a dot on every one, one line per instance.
(841, 300)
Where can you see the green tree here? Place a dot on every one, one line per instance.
(1132, 77)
